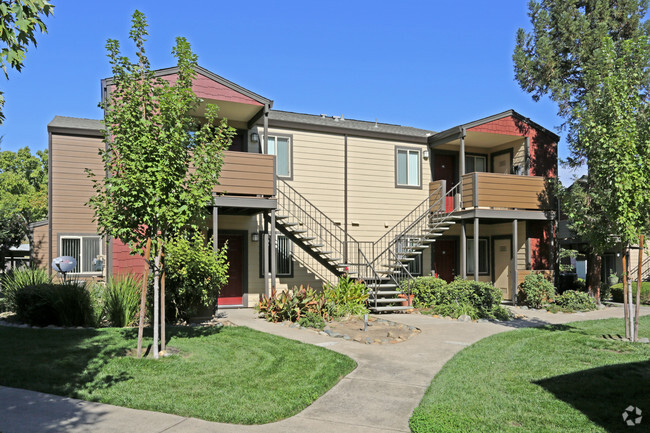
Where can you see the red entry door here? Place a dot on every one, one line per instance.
(443, 169)
(231, 293)
(444, 259)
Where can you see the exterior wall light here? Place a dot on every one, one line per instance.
(255, 237)
(255, 138)
(425, 155)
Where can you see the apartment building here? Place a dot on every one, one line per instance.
(334, 195)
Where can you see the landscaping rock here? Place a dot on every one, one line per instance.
(644, 340)
(464, 318)
(390, 335)
(448, 318)
(368, 341)
(524, 307)
(483, 321)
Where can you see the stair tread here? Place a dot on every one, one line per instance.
(385, 300)
(391, 308)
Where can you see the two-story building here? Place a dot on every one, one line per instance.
(379, 201)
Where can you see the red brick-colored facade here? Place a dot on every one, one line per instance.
(123, 262)
(207, 88)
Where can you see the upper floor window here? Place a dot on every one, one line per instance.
(85, 250)
(280, 146)
(475, 163)
(408, 167)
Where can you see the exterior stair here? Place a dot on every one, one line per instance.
(383, 265)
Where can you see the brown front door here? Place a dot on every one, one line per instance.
(232, 293)
(443, 169)
(444, 259)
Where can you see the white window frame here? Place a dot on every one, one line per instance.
(481, 257)
(81, 252)
(409, 151)
(289, 138)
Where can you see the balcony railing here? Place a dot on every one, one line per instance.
(247, 174)
(500, 191)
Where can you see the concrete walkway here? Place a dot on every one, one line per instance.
(378, 396)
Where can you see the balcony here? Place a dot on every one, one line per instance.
(247, 174)
(497, 191)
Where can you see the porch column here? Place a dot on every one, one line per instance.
(462, 155)
(265, 256)
(513, 264)
(475, 249)
(463, 250)
(265, 145)
(273, 252)
(215, 228)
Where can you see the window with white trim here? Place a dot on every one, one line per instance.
(408, 167)
(483, 258)
(280, 147)
(85, 250)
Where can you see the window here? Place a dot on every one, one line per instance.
(408, 167)
(85, 250)
(483, 259)
(281, 148)
(475, 163)
(283, 262)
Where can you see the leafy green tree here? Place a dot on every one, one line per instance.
(23, 196)
(562, 58)
(163, 162)
(20, 20)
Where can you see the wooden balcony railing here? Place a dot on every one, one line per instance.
(249, 174)
(504, 191)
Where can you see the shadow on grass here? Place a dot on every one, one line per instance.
(533, 322)
(603, 393)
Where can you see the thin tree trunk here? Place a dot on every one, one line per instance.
(156, 302)
(143, 296)
(163, 345)
(626, 312)
(638, 290)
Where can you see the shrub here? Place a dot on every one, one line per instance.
(292, 305)
(66, 304)
(575, 301)
(617, 292)
(348, 296)
(312, 320)
(536, 290)
(426, 290)
(18, 279)
(121, 300)
(194, 275)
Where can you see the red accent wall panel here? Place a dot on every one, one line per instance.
(543, 148)
(539, 233)
(123, 262)
(206, 88)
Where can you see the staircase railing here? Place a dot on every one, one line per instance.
(414, 226)
(645, 271)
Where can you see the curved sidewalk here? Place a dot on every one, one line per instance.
(378, 396)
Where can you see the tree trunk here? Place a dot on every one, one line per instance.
(626, 312)
(143, 297)
(638, 290)
(156, 302)
(594, 265)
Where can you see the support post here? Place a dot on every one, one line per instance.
(513, 264)
(461, 163)
(215, 229)
(626, 311)
(265, 145)
(273, 253)
(476, 249)
(265, 246)
(463, 250)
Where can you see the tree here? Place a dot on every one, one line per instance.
(555, 59)
(163, 162)
(20, 20)
(23, 196)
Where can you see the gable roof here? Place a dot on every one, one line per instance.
(457, 131)
(208, 74)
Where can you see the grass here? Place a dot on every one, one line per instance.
(568, 378)
(232, 374)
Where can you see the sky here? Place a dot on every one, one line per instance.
(426, 64)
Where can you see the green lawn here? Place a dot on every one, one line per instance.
(234, 375)
(564, 378)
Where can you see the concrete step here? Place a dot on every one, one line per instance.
(385, 300)
(390, 308)
(281, 217)
(388, 292)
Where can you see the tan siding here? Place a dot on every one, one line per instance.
(41, 247)
(374, 201)
(71, 188)
(246, 173)
(504, 191)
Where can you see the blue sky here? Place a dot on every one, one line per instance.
(426, 64)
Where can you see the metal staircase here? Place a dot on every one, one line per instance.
(384, 264)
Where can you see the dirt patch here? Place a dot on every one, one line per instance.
(379, 331)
